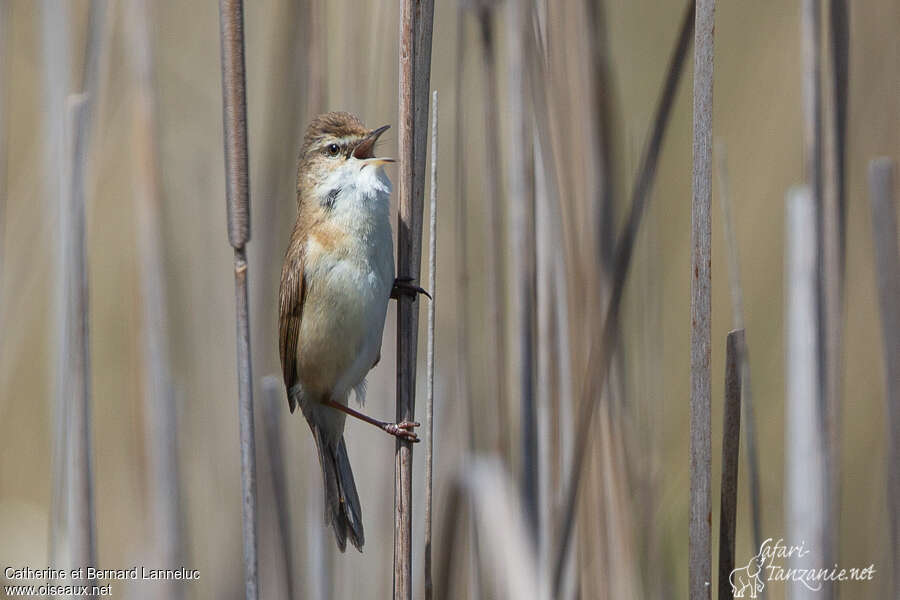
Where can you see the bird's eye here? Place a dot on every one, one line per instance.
(333, 149)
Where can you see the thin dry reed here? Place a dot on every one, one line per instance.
(731, 442)
(827, 284)
(416, 22)
(737, 318)
(603, 340)
(463, 384)
(882, 186)
(805, 475)
(165, 522)
(495, 272)
(234, 111)
(429, 373)
(54, 38)
(603, 92)
(272, 408)
(833, 227)
(81, 527)
(522, 245)
(464, 387)
(699, 549)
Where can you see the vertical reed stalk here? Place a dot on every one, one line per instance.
(603, 340)
(463, 387)
(161, 437)
(416, 22)
(463, 383)
(522, 233)
(273, 406)
(737, 316)
(55, 40)
(731, 443)
(839, 19)
(77, 375)
(699, 549)
(805, 477)
(545, 363)
(495, 271)
(882, 186)
(319, 580)
(234, 111)
(429, 406)
(833, 227)
(811, 23)
(603, 97)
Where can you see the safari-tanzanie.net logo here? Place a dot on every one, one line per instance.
(777, 561)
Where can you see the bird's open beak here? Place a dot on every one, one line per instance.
(363, 150)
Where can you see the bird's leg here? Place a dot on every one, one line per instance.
(401, 430)
(405, 286)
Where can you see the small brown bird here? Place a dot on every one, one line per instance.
(337, 278)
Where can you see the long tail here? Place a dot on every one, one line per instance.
(342, 509)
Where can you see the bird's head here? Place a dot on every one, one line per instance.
(336, 142)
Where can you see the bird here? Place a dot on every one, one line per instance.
(336, 281)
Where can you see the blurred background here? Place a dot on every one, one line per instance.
(161, 302)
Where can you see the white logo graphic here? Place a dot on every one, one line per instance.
(749, 576)
(769, 565)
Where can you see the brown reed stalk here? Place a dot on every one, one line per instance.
(234, 111)
(882, 186)
(76, 378)
(832, 248)
(603, 96)
(699, 548)
(839, 20)
(320, 557)
(495, 272)
(72, 526)
(165, 523)
(273, 407)
(463, 384)
(737, 316)
(812, 98)
(805, 468)
(810, 25)
(604, 339)
(522, 242)
(452, 533)
(546, 228)
(55, 39)
(731, 443)
(429, 376)
(551, 300)
(416, 23)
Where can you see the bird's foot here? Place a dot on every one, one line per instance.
(406, 286)
(403, 430)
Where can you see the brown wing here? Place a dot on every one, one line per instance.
(291, 300)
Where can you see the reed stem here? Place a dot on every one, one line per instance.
(731, 443)
(416, 22)
(429, 406)
(882, 186)
(234, 111)
(699, 549)
(603, 340)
